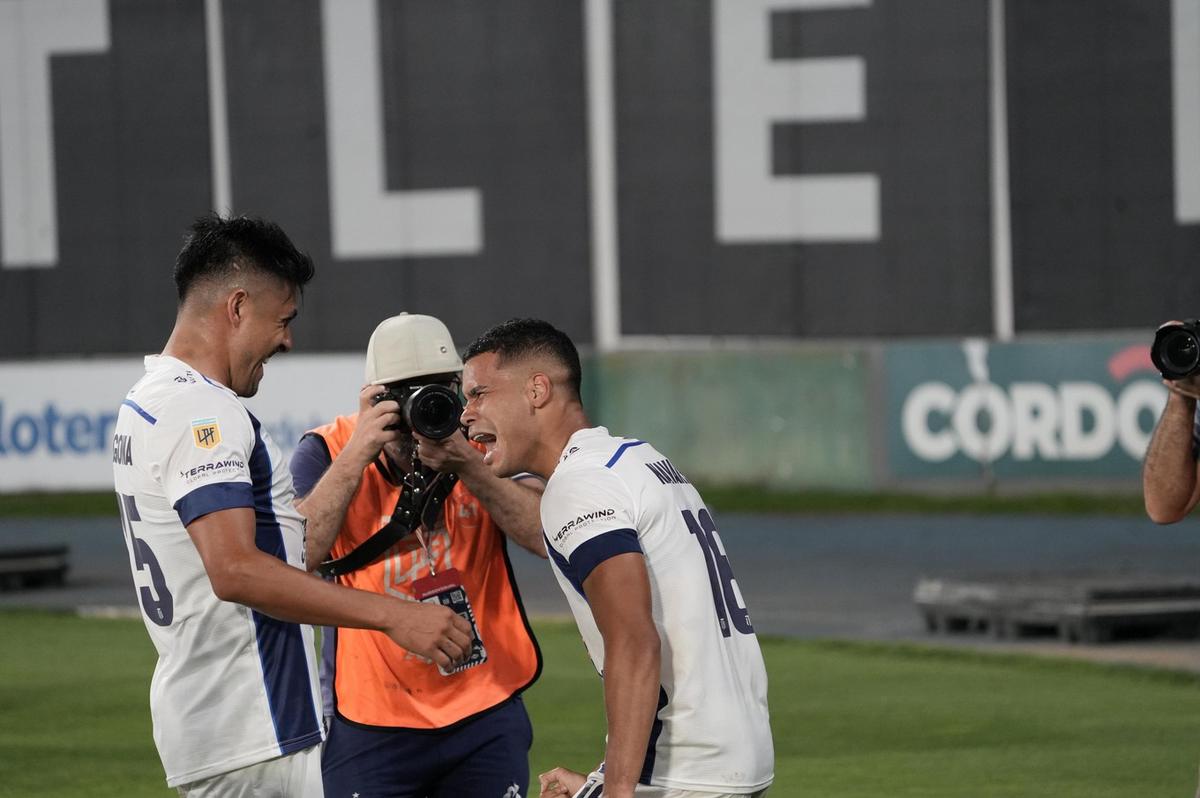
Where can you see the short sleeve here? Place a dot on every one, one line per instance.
(588, 516)
(205, 457)
(309, 463)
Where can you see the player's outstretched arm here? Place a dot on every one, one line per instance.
(513, 504)
(241, 573)
(618, 591)
(1170, 487)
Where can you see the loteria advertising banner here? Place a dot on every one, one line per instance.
(1047, 409)
(57, 417)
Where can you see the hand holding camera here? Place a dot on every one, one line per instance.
(450, 455)
(377, 427)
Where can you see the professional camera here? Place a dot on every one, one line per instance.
(1176, 349)
(430, 410)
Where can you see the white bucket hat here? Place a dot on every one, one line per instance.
(408, 346)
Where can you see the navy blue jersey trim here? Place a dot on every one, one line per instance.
(280, 644)
(655, 733)
(137, 409)
(210, 382)
(595, 791)
(213, 497)
(620, 451)
(591, 553)
(564, 567)
(300, 743)
(600, 548)
(328, 670)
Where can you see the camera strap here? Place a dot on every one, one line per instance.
(420, 505)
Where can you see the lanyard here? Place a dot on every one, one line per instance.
(425, 546)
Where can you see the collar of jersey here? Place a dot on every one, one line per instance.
(159, 362)
(581, 436)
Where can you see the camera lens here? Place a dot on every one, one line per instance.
(433, 411)
(1180, 351)
(1176, 350)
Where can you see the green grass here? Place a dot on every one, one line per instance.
(754, 499)
(850, 719)
(728, 498)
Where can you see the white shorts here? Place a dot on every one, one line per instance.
(296, 775)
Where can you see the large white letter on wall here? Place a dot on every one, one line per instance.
(368, 220)
(1185, 84)
(30, 32)
(752, 92)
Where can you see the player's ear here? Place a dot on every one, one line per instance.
(236, 306)
(538, 389)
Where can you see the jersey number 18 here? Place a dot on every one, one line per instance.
(720, 574)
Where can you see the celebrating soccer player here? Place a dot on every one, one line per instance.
(215, 543)
(638, 556)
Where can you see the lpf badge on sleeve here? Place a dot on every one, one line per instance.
(206, 433)
(446, 589)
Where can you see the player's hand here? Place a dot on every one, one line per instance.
(370, 435)
(432, 631)
(451, 454)
(560, 783)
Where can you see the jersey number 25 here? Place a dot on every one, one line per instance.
(159, 610)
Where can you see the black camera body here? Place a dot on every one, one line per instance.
(430, 410)
(1176, 349)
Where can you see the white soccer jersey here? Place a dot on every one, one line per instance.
(232, 686)
(610, 496)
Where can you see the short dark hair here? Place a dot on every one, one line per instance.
(517, 338)
(215, 245)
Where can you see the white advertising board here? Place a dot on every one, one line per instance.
(57, 416)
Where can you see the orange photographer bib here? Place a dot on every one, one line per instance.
(378, 683)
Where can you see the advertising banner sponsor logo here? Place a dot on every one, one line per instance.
(1065, 409)
(57, 417)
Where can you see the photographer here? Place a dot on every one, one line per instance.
(1169, 476)
(419, 516)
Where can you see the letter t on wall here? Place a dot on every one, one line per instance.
(367, 219)
(30, 32)
(752, 92)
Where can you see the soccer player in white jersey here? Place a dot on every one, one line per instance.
(639, 558)
(215, 544)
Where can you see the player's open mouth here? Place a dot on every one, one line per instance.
(489, 442)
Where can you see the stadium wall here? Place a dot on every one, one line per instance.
(772, 168)
(940, 416)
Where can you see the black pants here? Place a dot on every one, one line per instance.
(488, 756)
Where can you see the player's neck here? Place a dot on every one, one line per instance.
(194, 344)
(553, 443)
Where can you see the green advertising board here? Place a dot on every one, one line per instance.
(784, 419)
(1046, 409)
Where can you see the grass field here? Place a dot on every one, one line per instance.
(849, 719)
(727, 498)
